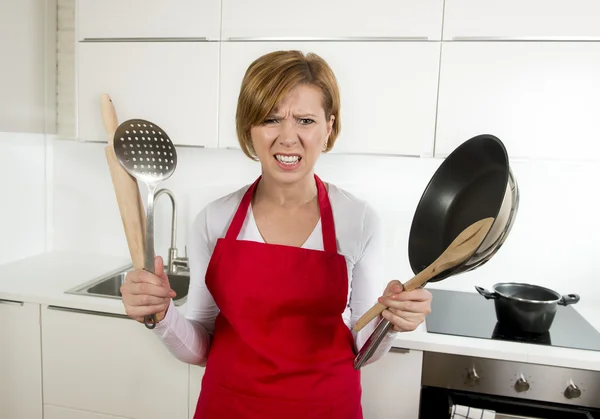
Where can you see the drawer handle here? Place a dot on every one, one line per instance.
(91, 312)
(199, 39)
(526, 38)
(12, 302)
(328, 38)
(399, 350)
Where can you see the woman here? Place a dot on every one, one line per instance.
(281, 269)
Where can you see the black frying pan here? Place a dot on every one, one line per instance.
(469, 185)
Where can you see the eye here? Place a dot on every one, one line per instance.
(306, 121)
(269, 121)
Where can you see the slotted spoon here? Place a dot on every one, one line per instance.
(147, 153)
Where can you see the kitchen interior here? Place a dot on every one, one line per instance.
(417, 79)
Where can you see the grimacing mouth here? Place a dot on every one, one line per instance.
(287, 158)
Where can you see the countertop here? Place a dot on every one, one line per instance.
(44, 278)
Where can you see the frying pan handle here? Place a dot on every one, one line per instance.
(565, 300)
(487, 294)
(371, 345)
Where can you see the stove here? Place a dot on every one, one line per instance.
(502, 387)
(471, 315)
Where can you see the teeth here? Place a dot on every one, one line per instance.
(287, 159)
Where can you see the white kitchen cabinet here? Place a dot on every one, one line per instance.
(540, 99)
(392, 385)
(196, 375)
(26, 74)
(517, 19)
(110, 365)
(332, 19)
(110, 19)
(20, 361)
(56, 412)
(173, 84)
(388, 92)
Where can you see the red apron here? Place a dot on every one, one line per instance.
(280, 347)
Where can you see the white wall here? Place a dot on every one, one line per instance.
(23, 196)
(554, 241)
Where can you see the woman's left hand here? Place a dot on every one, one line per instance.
(406, 310)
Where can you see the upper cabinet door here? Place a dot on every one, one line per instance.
(388, 92)
(539, 98)
(518, 19)
(173, 84)
(107, 19)
(332, 19)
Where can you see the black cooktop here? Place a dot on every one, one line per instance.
(470, 314)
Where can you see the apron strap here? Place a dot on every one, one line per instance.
(327, 223)
(240, 215)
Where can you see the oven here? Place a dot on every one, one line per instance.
(458, 386)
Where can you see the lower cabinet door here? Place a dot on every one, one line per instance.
(392, 385)
(20, 361)
(55, 412)
(111, 365)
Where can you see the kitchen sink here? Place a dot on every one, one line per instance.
(109, 286)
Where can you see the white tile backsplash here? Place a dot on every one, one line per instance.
(23, 201)
(554, 241)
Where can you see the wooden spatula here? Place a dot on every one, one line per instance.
(126, 189)
(461, 249)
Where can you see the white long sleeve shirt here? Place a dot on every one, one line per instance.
(359, 240)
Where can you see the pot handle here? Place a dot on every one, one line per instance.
(487, 294)
(565, 300)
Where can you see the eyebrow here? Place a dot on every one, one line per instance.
(275, 114)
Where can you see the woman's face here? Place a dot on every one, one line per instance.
(291, 139)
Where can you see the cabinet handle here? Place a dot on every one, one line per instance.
(200, 39)
(526, 38)
(91, 312)
(399, 350)
(329, 38)
(12, 302)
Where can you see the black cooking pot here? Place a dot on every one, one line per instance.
(526, 307)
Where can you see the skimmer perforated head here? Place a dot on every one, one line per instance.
(145, 150)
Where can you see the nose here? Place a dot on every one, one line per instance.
(288, 135)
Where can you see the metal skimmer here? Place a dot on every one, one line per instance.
(147, 153)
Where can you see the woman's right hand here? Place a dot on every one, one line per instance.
(145, 293)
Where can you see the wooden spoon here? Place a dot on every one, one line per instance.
(126, 188)
(461, 249)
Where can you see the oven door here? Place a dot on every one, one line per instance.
(454, 404)
(459, 386)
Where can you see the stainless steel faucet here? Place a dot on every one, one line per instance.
(174, 264)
